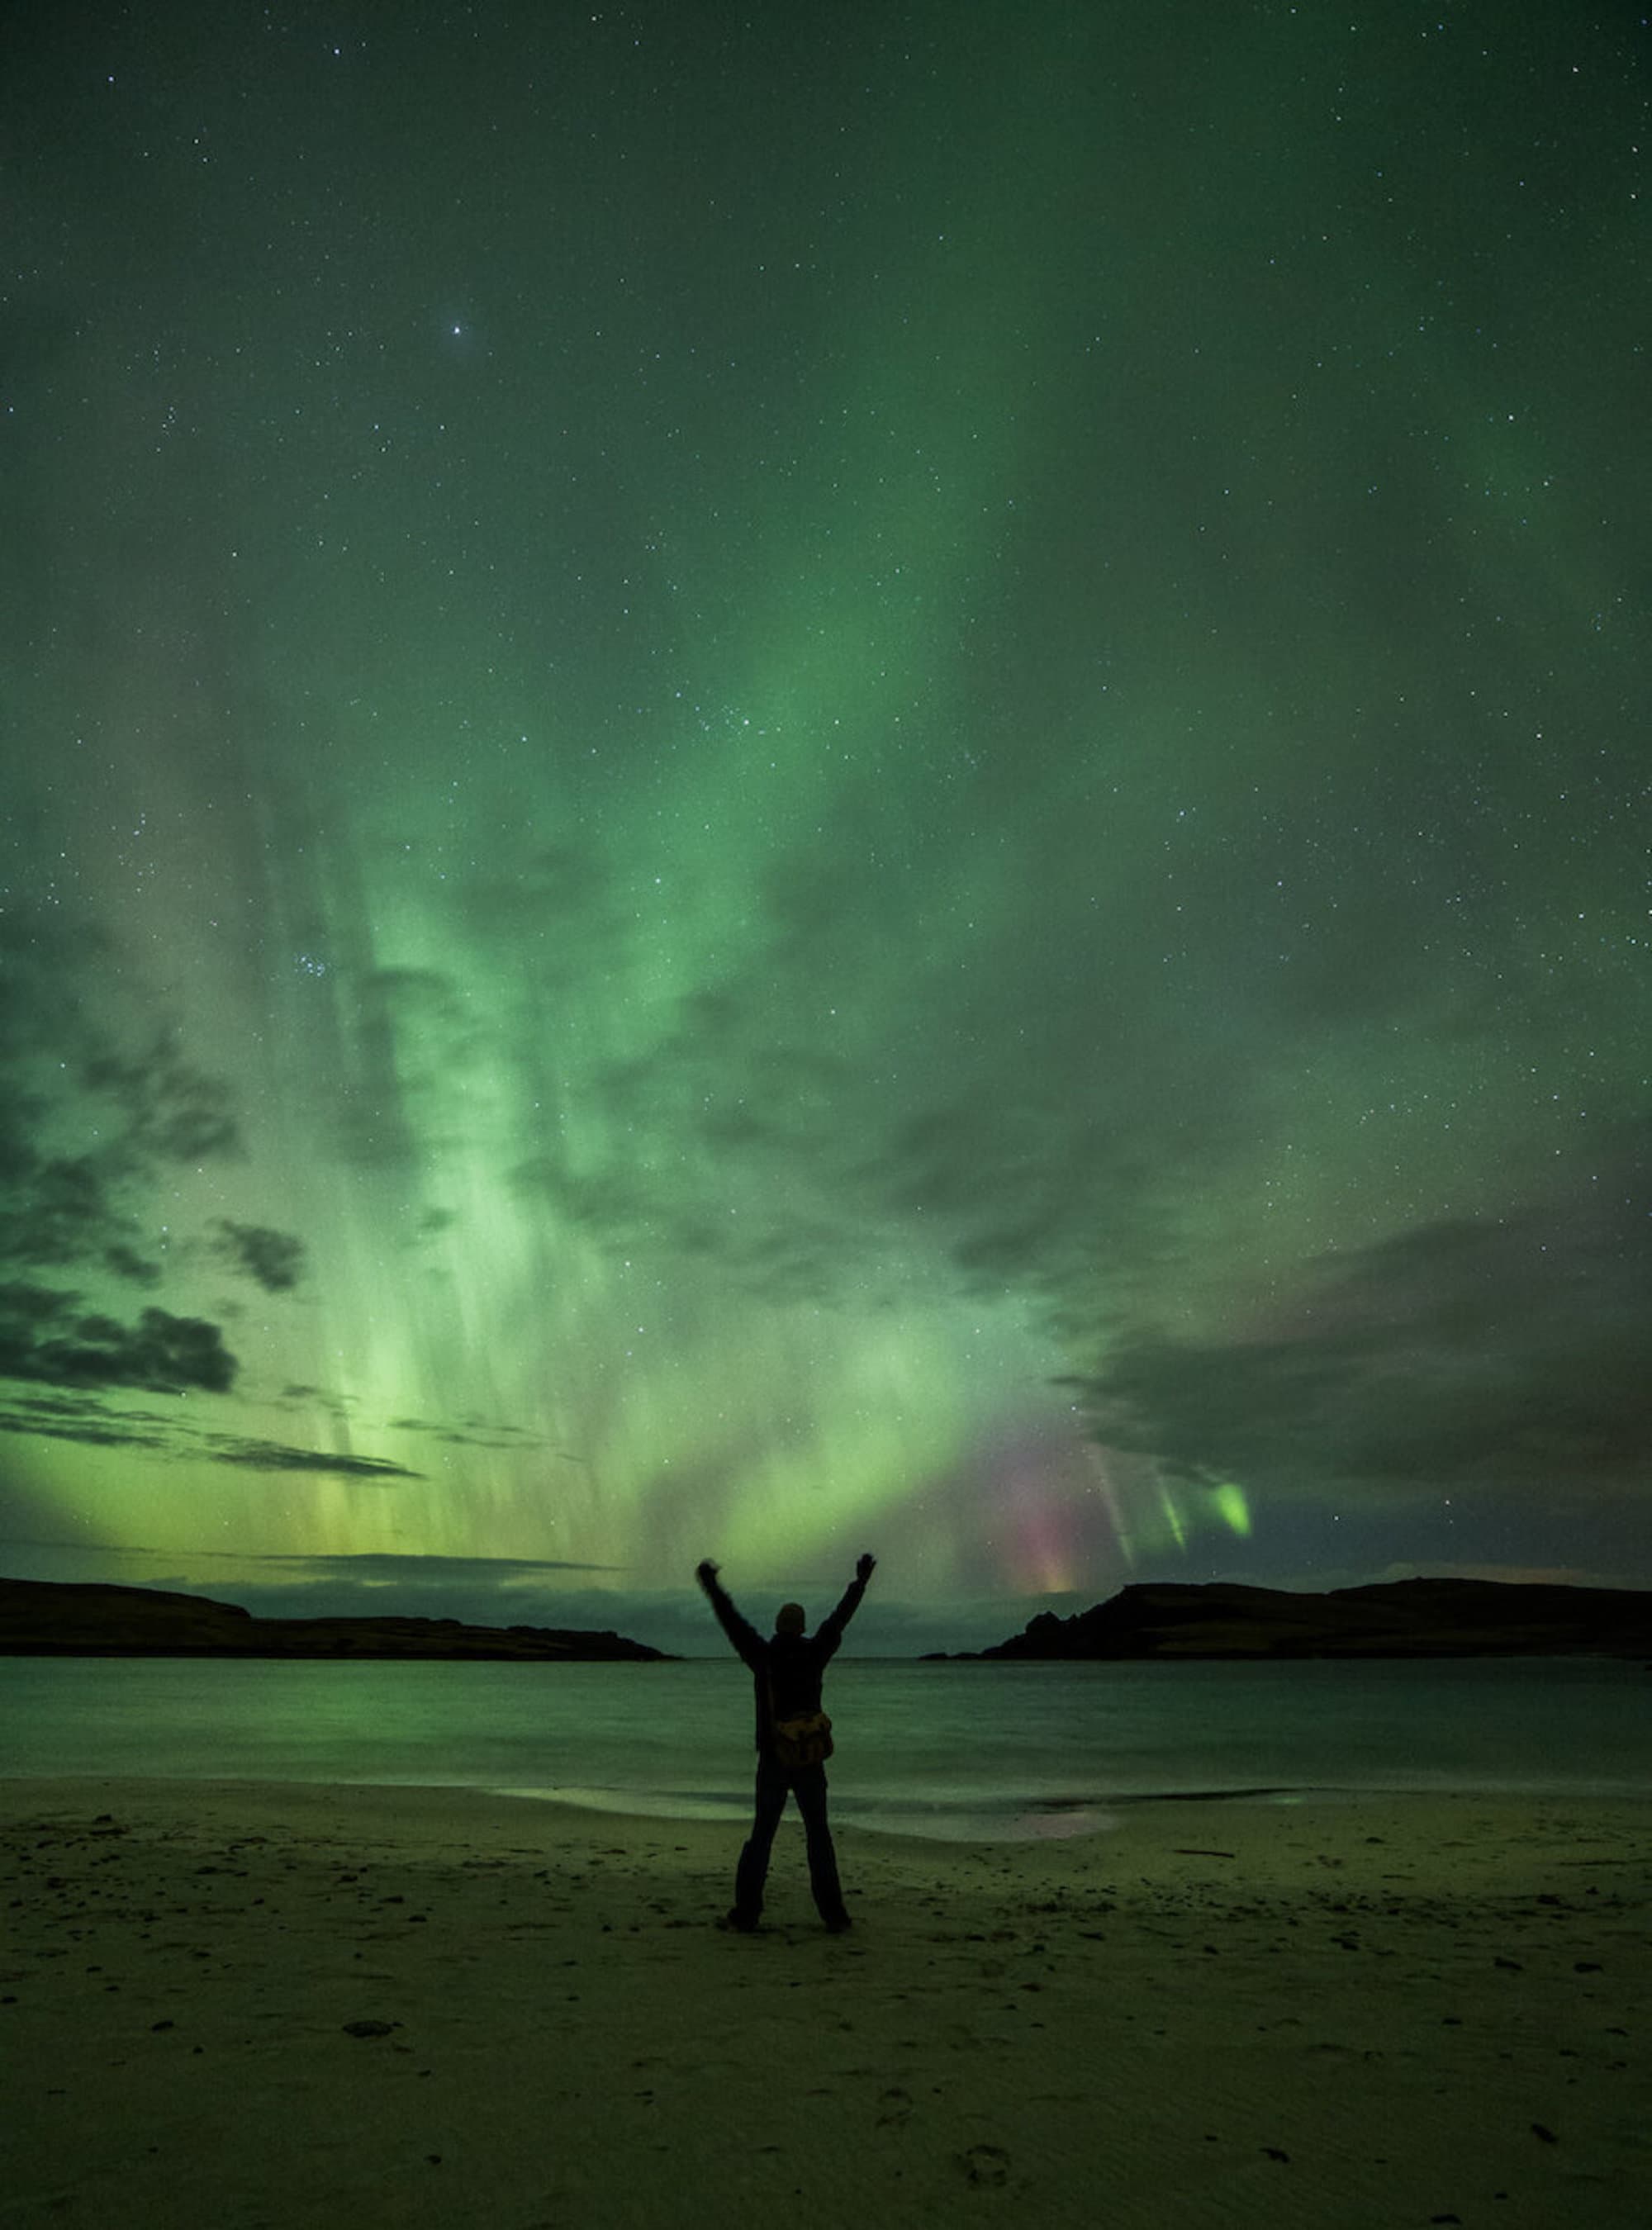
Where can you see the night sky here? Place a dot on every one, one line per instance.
(788, 780)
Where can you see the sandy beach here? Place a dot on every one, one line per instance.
(259, 2006)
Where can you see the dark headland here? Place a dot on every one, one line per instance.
(1405, 1618)
(48, 1618)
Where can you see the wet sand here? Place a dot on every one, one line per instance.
(266, 2004)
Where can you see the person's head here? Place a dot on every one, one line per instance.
(789, 1619)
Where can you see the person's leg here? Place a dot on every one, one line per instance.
(809, 1783)
(753, 1868)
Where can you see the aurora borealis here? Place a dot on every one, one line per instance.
(789, 783)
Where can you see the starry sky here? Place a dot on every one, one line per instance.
(790, 781)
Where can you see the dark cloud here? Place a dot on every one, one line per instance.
(174, 1111)
(45, 1336)
(405, 1041)
(127, 1262)
(62, 1210)
(84, 1418)
(85, 1423)
(471, 1432)
(275, 1455)
(272, 1259)
(69, 1204)
(379, 1566)
(420, 1003)
(553, 888)
(1508, 1353)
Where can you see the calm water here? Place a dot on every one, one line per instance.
(939, 1749)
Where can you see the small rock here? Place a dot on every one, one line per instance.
(370, 2027)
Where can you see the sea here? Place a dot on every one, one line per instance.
(963, 1751)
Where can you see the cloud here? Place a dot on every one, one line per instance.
(88, 1426)
(276, 1455)
(44, 1336)
(407, 1045)
(127, 1262)
(174, 1111)
(866, 1084)
(1507, 1353)
(297, 1391)
(557, 894)
(86, 1419)
(87, 1126)
(272, 1259)
(472, 1431)
(423, 1571)
(57, 1208)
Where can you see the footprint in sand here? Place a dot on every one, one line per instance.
(895, 2109)
(985, 2164)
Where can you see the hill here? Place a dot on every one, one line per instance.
(1405, 1618)
(47, 1618)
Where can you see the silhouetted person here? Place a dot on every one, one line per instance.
(793, 1740)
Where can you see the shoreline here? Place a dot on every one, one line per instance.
(280, 2006)
(960, 1818)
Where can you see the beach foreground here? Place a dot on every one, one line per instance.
(267, 2004)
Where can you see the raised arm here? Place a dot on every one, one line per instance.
(831, 1630)
(739, 1631)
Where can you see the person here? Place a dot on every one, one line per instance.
(787, 1671)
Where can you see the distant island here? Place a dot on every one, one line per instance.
(1406, 1618)
(49, 1618)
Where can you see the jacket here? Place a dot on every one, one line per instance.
(794, 1665)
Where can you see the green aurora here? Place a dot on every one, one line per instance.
(790, 785)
